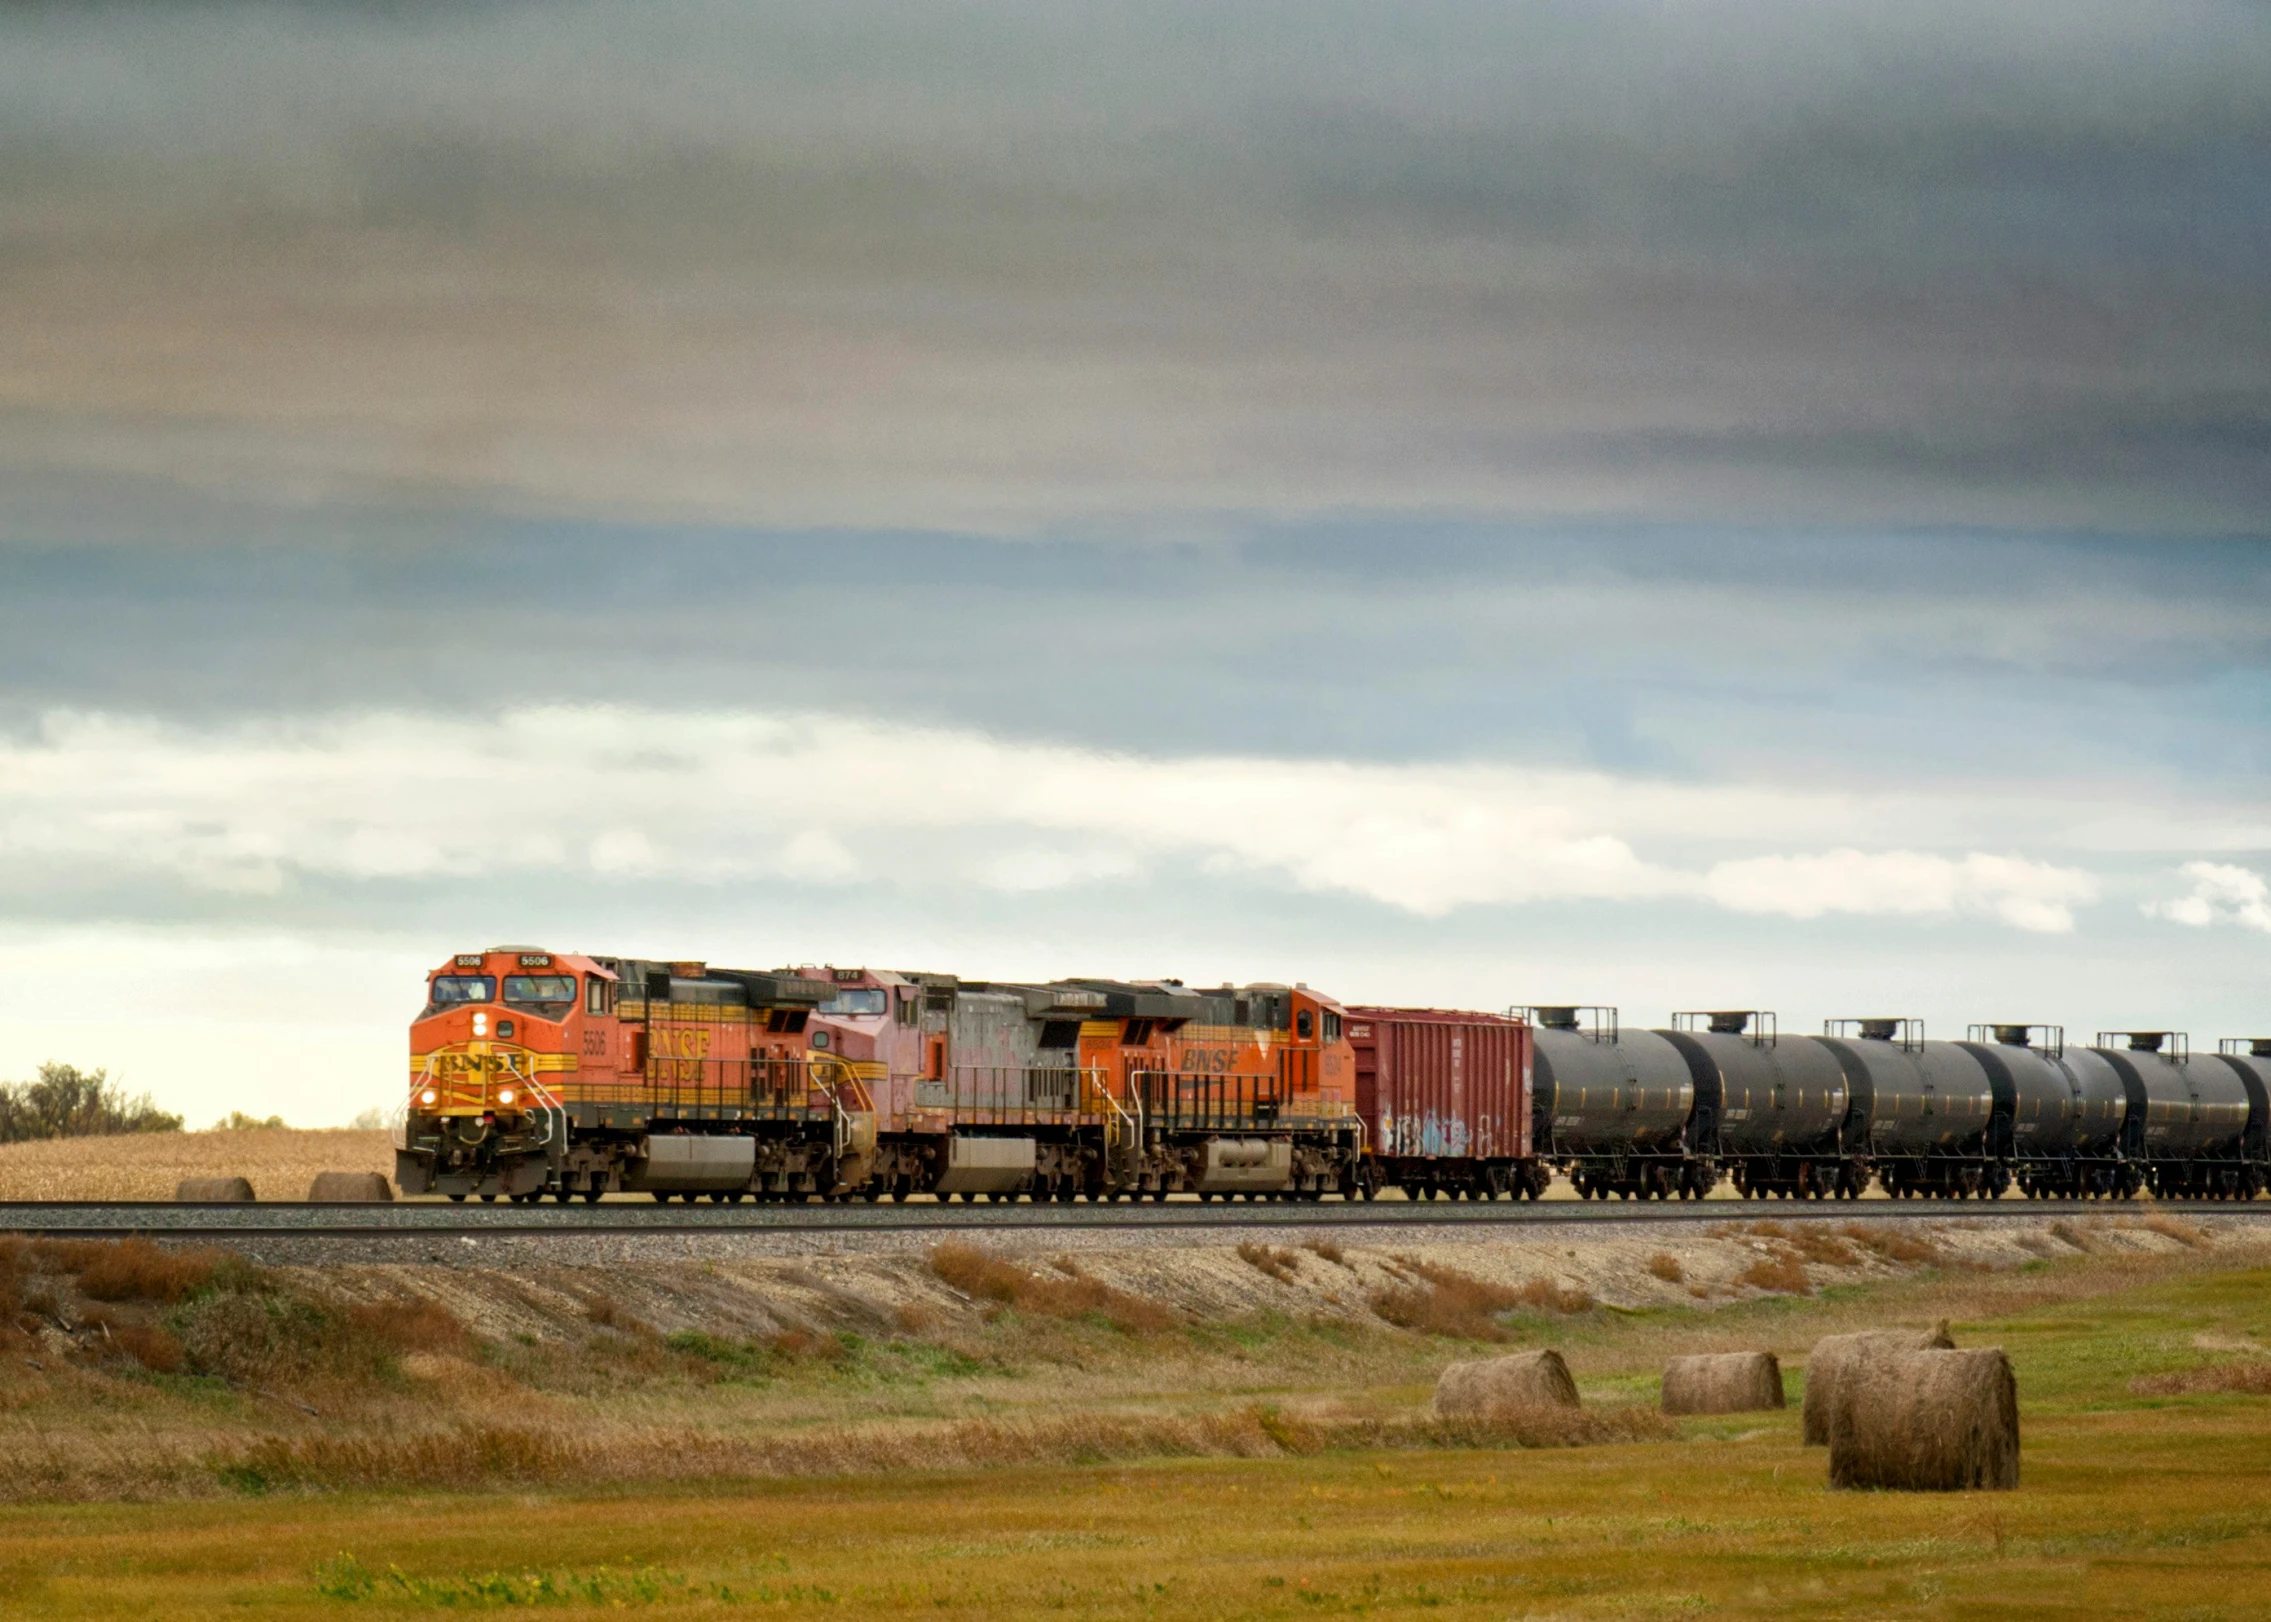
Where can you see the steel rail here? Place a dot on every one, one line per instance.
(97, 1219)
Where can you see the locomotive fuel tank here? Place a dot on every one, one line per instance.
(1911, 1097)
(1777, 1097)
(1607, 1091)
(2181, 1107)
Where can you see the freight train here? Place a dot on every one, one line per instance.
(536, 1072)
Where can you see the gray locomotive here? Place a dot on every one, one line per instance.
(1653, 1114)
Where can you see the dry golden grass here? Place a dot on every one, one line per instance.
(1271, 1261)
(1437, 1300)
(281, 1162)
(2183, 1232)
(1782, 1273)
(1666, 1266)
(2253, 1378)
(985, 1276)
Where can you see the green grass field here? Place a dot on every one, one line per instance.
(2132, 1505)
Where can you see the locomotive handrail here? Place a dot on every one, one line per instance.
(1004, 1094)
(1208, 1100)
(553, 1139)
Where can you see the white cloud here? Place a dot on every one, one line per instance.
(738, 796)
(2220, 893)
(2026, 894)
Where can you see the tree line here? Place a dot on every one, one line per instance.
(67, 1102)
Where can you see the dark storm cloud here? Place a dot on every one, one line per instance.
(997, 266)
(1891, 660)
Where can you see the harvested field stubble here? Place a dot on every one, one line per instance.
(151, 1165)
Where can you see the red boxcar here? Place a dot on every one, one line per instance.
(1445, 1100)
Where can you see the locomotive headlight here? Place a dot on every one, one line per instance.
(429, 1096)
(480, 1023)
(504, 1095)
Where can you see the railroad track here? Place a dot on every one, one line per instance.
(92, 1219)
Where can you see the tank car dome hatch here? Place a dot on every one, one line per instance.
(1731, 1021)
(2013, 1036)
(2174, 1043)
(1879, 1030)
(1556, 1017)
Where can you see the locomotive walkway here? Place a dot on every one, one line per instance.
(434, 1220)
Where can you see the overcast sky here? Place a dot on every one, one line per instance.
(1666, 504)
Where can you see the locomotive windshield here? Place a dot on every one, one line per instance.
(857, 1000)
(451, 989)
(548, 994)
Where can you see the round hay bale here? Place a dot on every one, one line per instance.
(1522, 1380)
(1833, 1354)
(1723, 1383)
(214, 1191)
(1937, 1421)
(349, 1188)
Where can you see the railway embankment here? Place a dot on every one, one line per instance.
(135, 1369)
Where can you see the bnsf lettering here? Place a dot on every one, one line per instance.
(680, 1042)
(468, 1064)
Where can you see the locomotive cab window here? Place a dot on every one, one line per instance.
(454, 990)
(549, 995)
(1332, 1026)
(856, 1000)
(595, 995)
(1304, 1024)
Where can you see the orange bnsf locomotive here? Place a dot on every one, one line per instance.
(536, 1072)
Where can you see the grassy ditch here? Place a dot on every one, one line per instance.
(128, 1371)
(2143, 1495)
